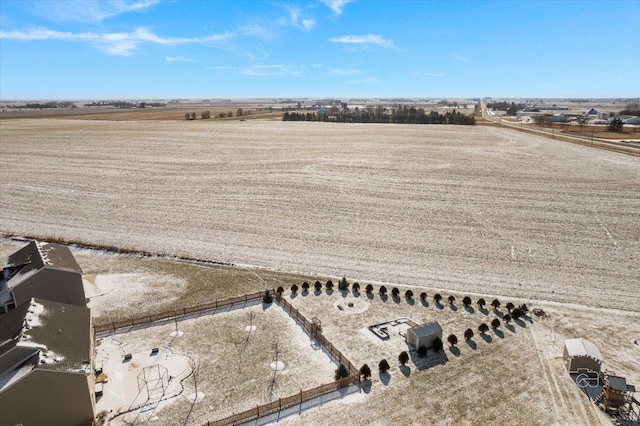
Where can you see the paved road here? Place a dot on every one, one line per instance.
(613, 145)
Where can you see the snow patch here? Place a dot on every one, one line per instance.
(250, 328)
(277, 365)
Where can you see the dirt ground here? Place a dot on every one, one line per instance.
(232, 353)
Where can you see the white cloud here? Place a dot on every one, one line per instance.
(459, 57)
(345, 71)
(268, 70)
(295, 19)
(178, 59)
(89, 10)
(118, 44)
(336, 5)
(364, 40)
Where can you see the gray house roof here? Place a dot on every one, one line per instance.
(35, 256)
(59, 333)
(426, 330)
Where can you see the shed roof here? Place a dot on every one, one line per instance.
(618, 383)
(426, 329)
(582, 347)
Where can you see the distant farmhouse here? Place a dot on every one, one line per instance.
(43, 270)
(424, 335)
(47, 373)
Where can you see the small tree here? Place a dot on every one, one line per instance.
(267, 298)
(305, 286)
(509, 306)
(423, 296)
(383, 366)
(280, 290)
(355, 288)
(452, 339)
(341, 372)
(506, 318)
(205, 114)
(395, 292)
(437, 298)
(524, 308)
(383, 290)
(483, 328)
(403, 357)
(186, 115)
(294, 289)
(481, 302)
(451, 299)
(468, 334)
(437, 344)
(616, 125)
(422, 351)
(343, 285)
(495, 323)
(365, 371)
(329, 285)
(239, 112)
(517, 313)
(317, 285)
(408, 294)
(369, 289)
(495, 303)
(466, 301)
(193, 116)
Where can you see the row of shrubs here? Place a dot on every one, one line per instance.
(343, 285)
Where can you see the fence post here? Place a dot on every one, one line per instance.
(279, 403)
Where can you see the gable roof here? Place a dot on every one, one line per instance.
(36, 256)
(581, 347)
(59, 333)
(426, 329)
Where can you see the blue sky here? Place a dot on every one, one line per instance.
(318, 48)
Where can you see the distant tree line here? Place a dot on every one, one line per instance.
(51, 104)
(398, 114)
(631, 109)
(126, 104)
(510, 108)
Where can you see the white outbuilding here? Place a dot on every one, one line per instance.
(582, 354)
(423, 335)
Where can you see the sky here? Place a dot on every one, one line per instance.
(167, 49)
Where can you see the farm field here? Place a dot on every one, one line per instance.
(478, 209)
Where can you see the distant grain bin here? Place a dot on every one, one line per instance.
(582, 354)
(423, 335)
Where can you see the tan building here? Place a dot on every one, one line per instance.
(43, 270)
(46, 365)
(423, 335)
(581, 354)
(615, 389)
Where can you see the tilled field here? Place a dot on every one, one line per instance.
(472, 209)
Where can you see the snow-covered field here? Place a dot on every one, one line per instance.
(462, 208)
